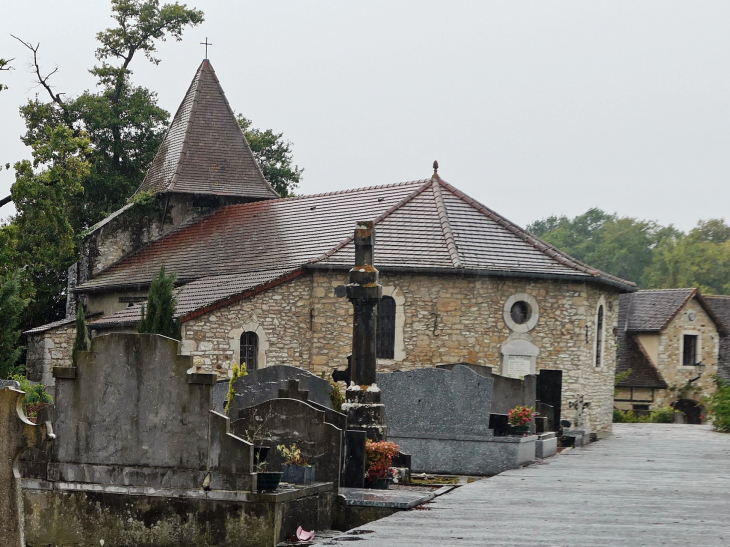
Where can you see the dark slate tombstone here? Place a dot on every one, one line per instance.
(499, 423)
(293, 391)
(353, 459)
(549, 390)
(289, 421)
(264, 384)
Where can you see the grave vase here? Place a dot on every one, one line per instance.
(520, 429)
(268, 481)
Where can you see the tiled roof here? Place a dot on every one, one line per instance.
(200, 294)
(49, 326)
(204, 150)
(441, 227)
(630, 356)
(421, 224)
(425, 224)
(278, 234)
(721, 307)
(652, 310)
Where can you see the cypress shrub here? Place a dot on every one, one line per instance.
(158, 316)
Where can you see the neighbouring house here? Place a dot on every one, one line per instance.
(662, 336)
(259, 277)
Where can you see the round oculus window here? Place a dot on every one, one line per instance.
(520, 312)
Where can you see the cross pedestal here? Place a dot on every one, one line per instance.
(17, 434)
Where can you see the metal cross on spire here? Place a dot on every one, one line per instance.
(206, 44)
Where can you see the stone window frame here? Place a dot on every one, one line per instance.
(601, 302)
(234, 340)
(399, 352)
(698, 353)
(534, 312)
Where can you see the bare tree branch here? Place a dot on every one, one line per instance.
(43, 80)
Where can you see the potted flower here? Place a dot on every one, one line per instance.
(519, 417)
(295, 467)
(379, 459)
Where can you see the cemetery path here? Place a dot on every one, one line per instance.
(647, 485)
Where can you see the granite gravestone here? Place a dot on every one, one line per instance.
(264, 384)
(442, 418)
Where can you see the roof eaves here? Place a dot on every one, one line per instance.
(674, 314)
(538, 243)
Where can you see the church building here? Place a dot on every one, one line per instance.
(259, 277)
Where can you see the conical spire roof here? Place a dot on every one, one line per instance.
(204, 151)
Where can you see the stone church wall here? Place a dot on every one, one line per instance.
(445, 319)
(442, 319)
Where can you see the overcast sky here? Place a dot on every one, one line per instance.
(533, 108)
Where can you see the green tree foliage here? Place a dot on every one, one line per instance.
(719, 406)
(123, 122)
(274, 156)
(619, 246)
(12, 305)
(40, 239)
(700, 259)
(653, 256)
(4, 66)
(80, 342)
(158, 316)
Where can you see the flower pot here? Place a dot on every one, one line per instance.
(268, 481)
(298, 474)
(379, 484)
(260, 453)
(520, 429)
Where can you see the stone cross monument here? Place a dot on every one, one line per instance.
(363, 407)
(364, 292)
(17, 434)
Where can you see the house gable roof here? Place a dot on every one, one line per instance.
(204, 151)
(653, 310)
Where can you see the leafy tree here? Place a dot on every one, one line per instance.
(124, 123)
(4, 66)
(699, 259)
(274, 156)
(159, 315)
(40, 239)
(621, 246)
(12, 305)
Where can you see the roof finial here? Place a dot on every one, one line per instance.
(435, 168)
(206, 44)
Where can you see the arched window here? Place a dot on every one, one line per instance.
(386, 328)
(599, 336)
(250, 350)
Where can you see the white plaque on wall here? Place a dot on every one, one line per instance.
(518, 366)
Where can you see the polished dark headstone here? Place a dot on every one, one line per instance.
(353, 459)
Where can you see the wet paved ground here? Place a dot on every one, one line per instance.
(649, 484)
